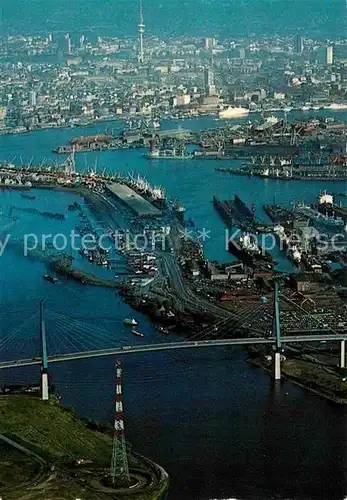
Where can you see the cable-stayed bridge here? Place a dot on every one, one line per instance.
(48, 336)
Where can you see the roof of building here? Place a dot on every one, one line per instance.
(134, 201)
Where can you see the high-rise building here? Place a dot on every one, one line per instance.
(32, 98)
(68, 43)
(210, 88)
(50, 38)
(82, 41)
(330, 55)
(242, 53)
(298, 44)
(141, 26)
(210, 43)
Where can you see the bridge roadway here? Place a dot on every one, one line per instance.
(172, 345)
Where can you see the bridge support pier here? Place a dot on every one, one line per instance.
(44, 358)
(44, 386)
(277, 365)
(343, 354)
(277, 330)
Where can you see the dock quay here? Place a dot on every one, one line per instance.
(137, 204)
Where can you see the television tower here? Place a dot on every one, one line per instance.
(119, 464)
(141, 26)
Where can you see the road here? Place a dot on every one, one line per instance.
(39, 477)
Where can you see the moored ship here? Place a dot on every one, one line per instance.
(233, 112)
(319, 218)
(247, 249)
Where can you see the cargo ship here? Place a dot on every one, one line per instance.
(168, 154)
(327, 207)
(320, 219)
(279, 215)
(247, 249)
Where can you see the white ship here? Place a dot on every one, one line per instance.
(336, 107)
(295, 255)
(233, 112)
(130, 322)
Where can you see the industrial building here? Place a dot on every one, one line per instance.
(133, 200)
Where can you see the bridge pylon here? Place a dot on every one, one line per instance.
(44, 357)
(277, 332)
(119, 464)
(343, 354)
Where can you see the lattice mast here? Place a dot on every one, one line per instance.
(141, 28)
(119, 464)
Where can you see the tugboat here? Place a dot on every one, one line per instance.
(135, 332)
(51, 279)
(163, 330)
(129, 322)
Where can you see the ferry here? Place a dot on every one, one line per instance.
(130, 322)
(233, 112)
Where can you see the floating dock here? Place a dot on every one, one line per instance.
(137, 204)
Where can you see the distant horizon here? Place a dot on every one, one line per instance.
(320, 18)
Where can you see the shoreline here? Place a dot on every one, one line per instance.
(202, 114)
(318, 391)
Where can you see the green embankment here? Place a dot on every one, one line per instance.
(53, 432)
(59, 437)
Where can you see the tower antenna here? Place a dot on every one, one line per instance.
(141, 26)
(119, 463)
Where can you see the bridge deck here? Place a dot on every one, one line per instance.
(172, 346)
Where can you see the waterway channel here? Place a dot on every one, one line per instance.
(215, 424)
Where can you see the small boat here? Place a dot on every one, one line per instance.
(163, 330)
(130, 322)
(51, 279)
(28, 196)
(135, 332)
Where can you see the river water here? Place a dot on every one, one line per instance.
(218, 426)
